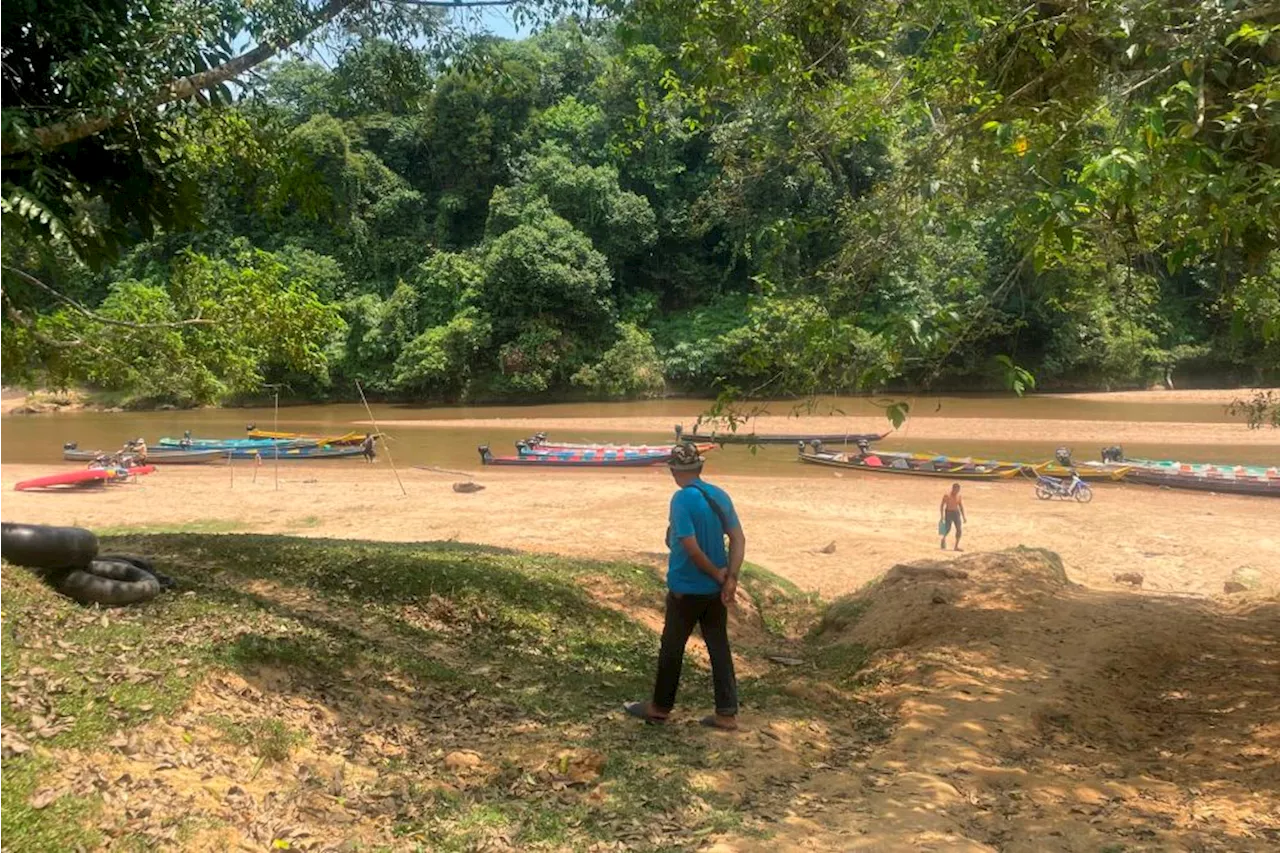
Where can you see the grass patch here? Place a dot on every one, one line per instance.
(840, 615)
(784, 607)
(212, 525)
(270, 740)
(387, 657)
(66, 824)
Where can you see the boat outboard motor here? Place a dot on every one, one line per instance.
(69, 445)
(1063, 456)
(864, 447)
(1114, 453)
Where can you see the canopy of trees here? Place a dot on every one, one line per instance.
(772, 196)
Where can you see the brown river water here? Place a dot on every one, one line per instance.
(39, 438)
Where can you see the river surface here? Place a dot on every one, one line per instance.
(39, 438)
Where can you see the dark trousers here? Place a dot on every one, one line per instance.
(709, 613)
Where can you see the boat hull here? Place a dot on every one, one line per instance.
(1171, 467)
(293, 454)
(840, 460)
(574, 459)
(780, 438)
(569, 462)
(345, 438)
(81, 477)
(628, 450)
(233, 443)
(1256, 486)
(154, 457)
(86, 477)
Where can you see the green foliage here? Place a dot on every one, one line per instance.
(437, 363)
(629, 368)
(1016, 379)
(545, 270)
(619, 223)
(718, 196)
(443, 281)
(255, 323)
(1260, 409)
(799, 347)
(571, 125)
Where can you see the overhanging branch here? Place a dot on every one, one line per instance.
(62, 133)
(95, 316)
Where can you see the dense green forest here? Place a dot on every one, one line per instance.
(763, 196)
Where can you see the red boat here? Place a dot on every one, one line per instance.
(83, 477)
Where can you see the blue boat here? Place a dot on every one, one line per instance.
(287, 454)
(234, 443)
(270, 452)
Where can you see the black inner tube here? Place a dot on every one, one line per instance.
(144, 563)
(41, 546)
(110, 582)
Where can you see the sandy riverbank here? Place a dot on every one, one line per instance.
(1181, 542)
(1216, 396)
(1084, 433)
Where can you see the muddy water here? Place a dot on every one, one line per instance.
(39, 438)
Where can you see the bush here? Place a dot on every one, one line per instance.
(630, 368)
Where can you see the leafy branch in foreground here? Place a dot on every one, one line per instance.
(1261, 409)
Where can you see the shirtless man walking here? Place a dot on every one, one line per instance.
(951, 513)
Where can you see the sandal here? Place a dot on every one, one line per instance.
(639, 710)
(711, 722)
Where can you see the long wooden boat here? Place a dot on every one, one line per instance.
(910, 467)
(291, 454)
(155, 456)
(1084, 470)
(344, 438)
(539, 443)
(778, 438)
(661, 454)
(575, 459)
(234, 443)
(1267, 486)
(1169, 466)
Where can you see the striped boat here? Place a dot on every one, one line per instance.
(570, 458)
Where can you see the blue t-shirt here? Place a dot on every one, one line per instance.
(691, 515)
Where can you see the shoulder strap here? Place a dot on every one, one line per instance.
(715, 507)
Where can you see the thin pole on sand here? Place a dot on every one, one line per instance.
(276, 441)
(386, 446)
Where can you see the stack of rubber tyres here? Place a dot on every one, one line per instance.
(68, 559)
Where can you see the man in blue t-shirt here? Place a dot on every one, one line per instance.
(702, 580)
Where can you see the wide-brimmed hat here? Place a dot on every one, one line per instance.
(685, 457)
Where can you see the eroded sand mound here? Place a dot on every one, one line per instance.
(1035, 714)
(932, 601)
